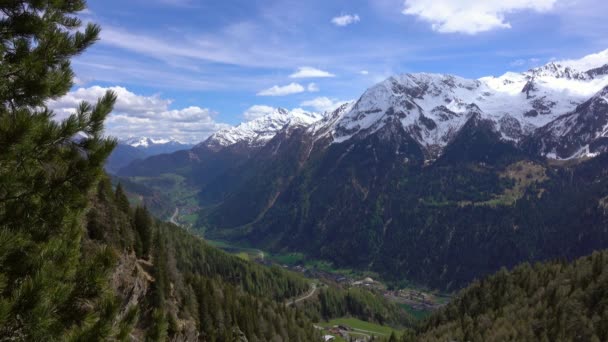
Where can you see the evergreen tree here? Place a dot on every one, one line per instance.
(121, 199)
(47, 169)
(143, 227)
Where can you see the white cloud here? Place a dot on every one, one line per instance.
(78, 81)
(257, 111)
(322, 104)
(313, 88)
(293, 88)
(138, 115)
(524, 62)
(345, 20)
(364, 72)
(309, 72)
(471, 16)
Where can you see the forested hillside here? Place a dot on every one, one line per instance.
(76, 262)
(482, 205)
(334, 302)
(555, 301)
(173, 285)
(79, 263)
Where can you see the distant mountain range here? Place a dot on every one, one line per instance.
(431, 177)
(131, 149)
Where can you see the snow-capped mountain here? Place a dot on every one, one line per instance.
(148, 142)
(151, 146)
(580, 133)
(420, 162)
(257, 132)
(134, 148)
(432, 108)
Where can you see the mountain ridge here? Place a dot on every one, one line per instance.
(433, 107)
(433, 178)
(131, 149)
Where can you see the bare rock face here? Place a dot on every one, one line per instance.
(132, 282)
(580, 133)
(239, 335)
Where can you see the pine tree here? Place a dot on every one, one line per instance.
(143, 227)
(47, 170)
(121, 199)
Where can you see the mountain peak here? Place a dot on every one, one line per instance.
(432, 108)
(260, 130)
(557, 70)
(588, 62)
(145, 142)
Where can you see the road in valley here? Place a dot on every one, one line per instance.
(173, 218)
(313, 290)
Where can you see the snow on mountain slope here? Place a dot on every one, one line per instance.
(580, 133)
(588, 62)
(433, 107)
(147, 142)
(259, 131)
(321, 128)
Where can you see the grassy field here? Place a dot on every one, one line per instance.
(363, 327)
(241, 252)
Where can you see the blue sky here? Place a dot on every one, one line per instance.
(185, 68)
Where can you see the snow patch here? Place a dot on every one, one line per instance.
(436, 106)
(259, 131)
(589, 62)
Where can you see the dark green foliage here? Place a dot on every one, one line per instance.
(158, 326)
(37, 40)
(157, 202)
(143, 227)
(194, 256)
(259, 319)
(127, 324)
(121, 199)
(197, 288)
(442, 224)
(555, 301)
(109, 222)
(46, 174)
(359, 303)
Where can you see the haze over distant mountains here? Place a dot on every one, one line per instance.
(431, 177)
(134, 148)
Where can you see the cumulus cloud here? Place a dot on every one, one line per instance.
(345, 20)
(257, 111)
(313, 88)
(322, 104)
(471, 16)
(293, 88)
(310, 72)
(138, 115)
